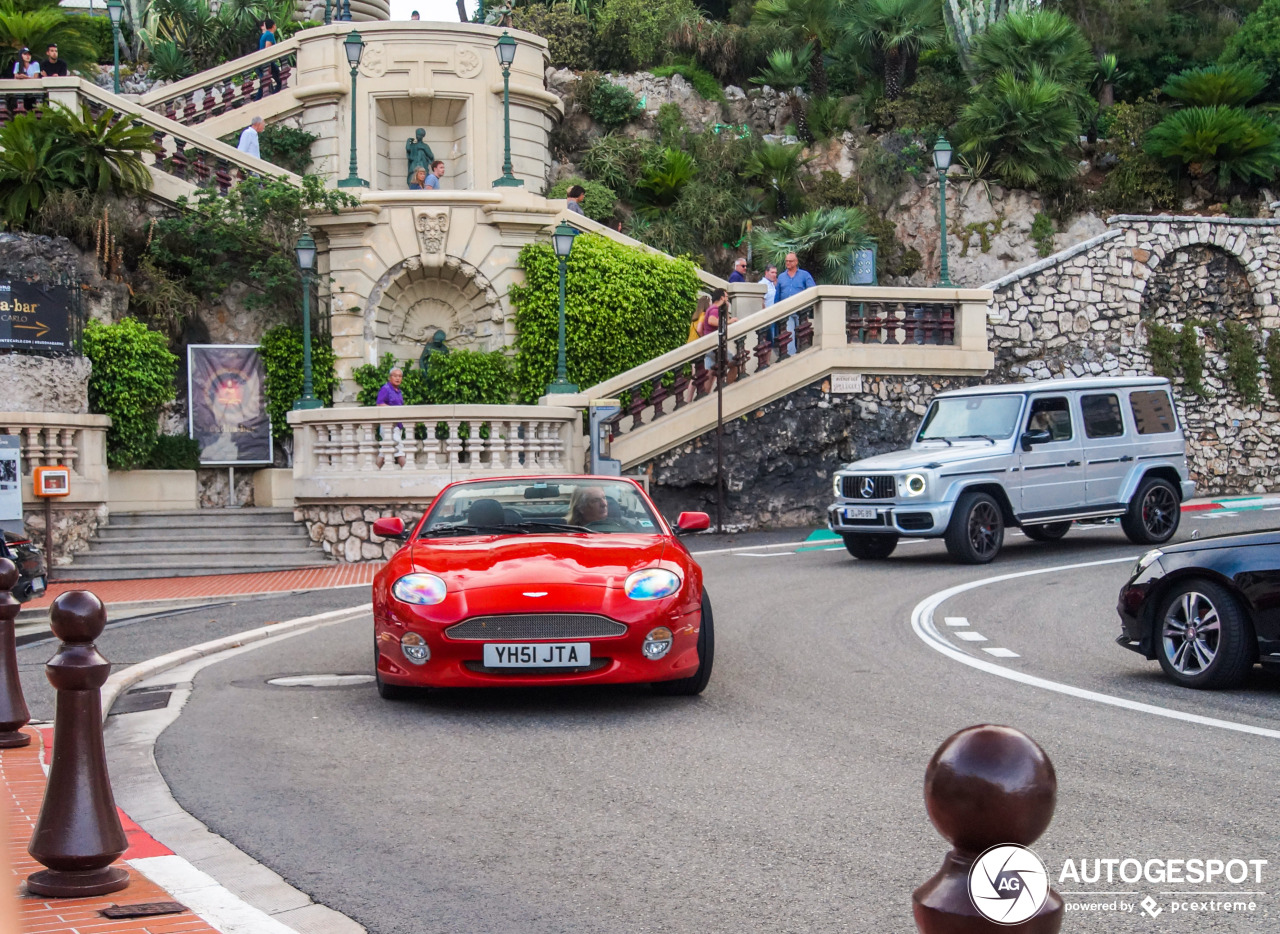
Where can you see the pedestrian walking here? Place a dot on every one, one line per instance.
(574, 198)
(266, 39)
(739, 273)
(390, 394)
(249, 138)
(792, 281)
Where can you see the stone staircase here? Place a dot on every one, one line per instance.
(195, 542)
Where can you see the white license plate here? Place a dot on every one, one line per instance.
(37, 583)
(860, 512)
(537, 654)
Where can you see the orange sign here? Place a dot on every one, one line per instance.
(51, 481)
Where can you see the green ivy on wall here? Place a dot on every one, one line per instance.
(1272, 353)
(470, 377)
(1243, 368)
(281, 351)
(623, 307)
(133, 376)
(983, 230)
(1173, 351)
(371, 378)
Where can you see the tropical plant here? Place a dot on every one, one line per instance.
(132, 376)
(1108, 74)
(967, 19)
(36, 25)
(1257, 41)
(831, 116)
(32, 167)
(1024, 126)
(785, 73)
(632, 34)
(599, 202)
(661, 186)
(1216, 85)
(1230, 141)
(896, 31)
(611, 105)
(209, 31)
(169, 62)
(729, 51)
(776, 166)
(824, 240)
(815, 22)
(1045, 42)
(568, 34)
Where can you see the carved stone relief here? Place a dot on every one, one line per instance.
(432, 228)
(469, 63)
(373, 63)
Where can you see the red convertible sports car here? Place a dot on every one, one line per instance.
(541, 580)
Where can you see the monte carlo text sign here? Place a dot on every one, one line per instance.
(34, 316)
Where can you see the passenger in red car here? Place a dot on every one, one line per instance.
(587, 505)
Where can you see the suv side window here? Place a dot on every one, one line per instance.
(1152, 412)
(1052, 414)
(1102, 417)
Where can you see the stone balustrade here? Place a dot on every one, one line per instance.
(228, 87)
(53, 439)
(363, 455)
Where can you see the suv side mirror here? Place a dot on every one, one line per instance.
(392, 527)
(1036, 436)
(692, 522)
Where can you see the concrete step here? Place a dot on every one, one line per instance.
(255, 537)
(268, 560)
(161, 551)
(139, 572)
(206, 518)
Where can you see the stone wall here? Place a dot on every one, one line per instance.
(73, 528)
(44, 384)
(346, 532)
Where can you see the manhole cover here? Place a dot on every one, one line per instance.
(320, 681)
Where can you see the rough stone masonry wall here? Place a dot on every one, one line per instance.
(1080, 312)
(346, 532)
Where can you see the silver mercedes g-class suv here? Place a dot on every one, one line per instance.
(1037, 455)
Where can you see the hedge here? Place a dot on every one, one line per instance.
(281, 351)
(132, 377)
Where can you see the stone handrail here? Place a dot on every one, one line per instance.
(55, 439)
(353, 454)
(228, 86)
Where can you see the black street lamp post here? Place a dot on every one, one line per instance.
(506, 49)
(306, 255)
(562, 240)
(353, 45)
(942, 162)
(115, 9)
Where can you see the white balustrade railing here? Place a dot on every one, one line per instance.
(54, 439)
(408, 453)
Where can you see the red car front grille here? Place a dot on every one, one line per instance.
(535, 626)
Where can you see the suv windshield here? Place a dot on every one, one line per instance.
(540, 507)
(973, 417)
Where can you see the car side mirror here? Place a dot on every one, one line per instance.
(392, 527)
(1036, 436)
(692, 522)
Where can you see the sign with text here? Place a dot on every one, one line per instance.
(846, 382)
(226, 386)
(35, 316)
(10, 483)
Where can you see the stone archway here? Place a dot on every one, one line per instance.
(415, 299)
(1199, 282)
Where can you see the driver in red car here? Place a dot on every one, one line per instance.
(587, 505)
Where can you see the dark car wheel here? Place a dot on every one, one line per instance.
(706, 655)
(870, 547)
(1203, 636)
(976, 532)
(1154, 513)
(1049, 532)
(392, 692)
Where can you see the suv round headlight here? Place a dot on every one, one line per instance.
(914, 484)
(835, 484)
(419, 589)
(651, 584)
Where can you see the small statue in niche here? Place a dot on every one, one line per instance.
(419, 153)
(436, 346)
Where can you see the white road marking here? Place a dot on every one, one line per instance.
(923, 625)
(956, 621)
(206, 897)
(1270, 508)
(320, 681)
(756, 554)
(1002, 653)
(970, 636)
(725, 551)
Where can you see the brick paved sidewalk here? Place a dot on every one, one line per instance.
(215, 585)
(22, 782)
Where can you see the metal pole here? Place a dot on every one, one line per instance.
(308, 400)
(562, 374)
(48, 536)
(115, 55)
(353, 173)
(721, 352)
(328, 12)
(508, 179)
(231, 489)
(945, 278)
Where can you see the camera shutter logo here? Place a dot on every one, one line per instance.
(1008, 884)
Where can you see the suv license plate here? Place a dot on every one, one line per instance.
(37, 584)
(537, 654)
(860, 512)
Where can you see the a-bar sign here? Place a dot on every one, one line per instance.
(34, 316)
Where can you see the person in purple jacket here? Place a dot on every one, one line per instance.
(390, 394)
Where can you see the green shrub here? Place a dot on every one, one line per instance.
(618, 161)
(635, 34)
(371, 378)
(1243, 368)
(600, 200)
(1257, 41)
(831, 116)
(893, 257)
(287, 147)
(173, 452)
(169, 62)
(931, 104)
(623, 307)
(470, 377)
(1216, 85)
(132, 377)
(662, 184)
(1042, 234)
(1028, 128)
(611, 105)
(1230, 141)
(97, 29)
(568, 34)
(1138, 183)
(670, 123)
(703, 81)
(282, 358)
(1272, 353)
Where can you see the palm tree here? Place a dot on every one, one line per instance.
(1025, 126)
(1044, 41)
(825, 241)
(32, 167)
(785, 72)
(817, 22)
(896, 31)
(37, 29)
(107, 149)
(777, 167)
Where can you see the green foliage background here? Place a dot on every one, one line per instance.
(623, 307)
(133, 376)
(281, 352)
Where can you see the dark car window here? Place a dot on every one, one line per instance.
(571, 505)
(1052, 414)
(1102, 417)
(1152, 412)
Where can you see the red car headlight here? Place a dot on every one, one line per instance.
(419, 589)
(651, 584)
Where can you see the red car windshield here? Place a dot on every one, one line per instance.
(520, 507)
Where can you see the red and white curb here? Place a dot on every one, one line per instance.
(1230, 505)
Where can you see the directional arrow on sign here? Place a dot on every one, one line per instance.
(43, 329)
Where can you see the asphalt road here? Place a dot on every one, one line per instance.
(785, 798)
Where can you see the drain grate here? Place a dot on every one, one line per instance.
(143, 910)
(136, 702)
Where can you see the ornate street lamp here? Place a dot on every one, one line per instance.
(115, 9)
(942, 162)
(562, 240)
(346, 11)
(305, 251)
(353, 45)
(506, 49)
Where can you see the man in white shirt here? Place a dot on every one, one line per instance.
(770, 282)
(249, 138)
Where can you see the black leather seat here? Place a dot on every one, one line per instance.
(485, 513)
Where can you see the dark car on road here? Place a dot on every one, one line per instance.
(32, 575)
(1207, 610)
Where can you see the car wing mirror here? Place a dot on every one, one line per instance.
(392, 527)
(692, 522)
(1036, 436)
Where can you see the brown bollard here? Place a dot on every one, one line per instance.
(78, 835)
(13, 706)
(991, 791)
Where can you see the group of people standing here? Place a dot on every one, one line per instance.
(28, 67)
(779, 286)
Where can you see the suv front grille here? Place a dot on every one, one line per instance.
(856, 487)
(535, 626)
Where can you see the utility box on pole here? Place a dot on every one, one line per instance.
(600, 411)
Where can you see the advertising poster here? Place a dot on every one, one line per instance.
(10, 483)
(226, 385)
(34, 317)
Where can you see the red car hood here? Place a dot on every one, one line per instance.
(525, 560)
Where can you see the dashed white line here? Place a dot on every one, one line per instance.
(956, 621)
(1002, 653)
(971, 636)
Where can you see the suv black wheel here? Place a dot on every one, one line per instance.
(870, 547)
(1203, 637)
(976, 532)
(1048, 532)
(1154, 513)
(695, 683)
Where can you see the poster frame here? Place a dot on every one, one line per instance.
(191, 412)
